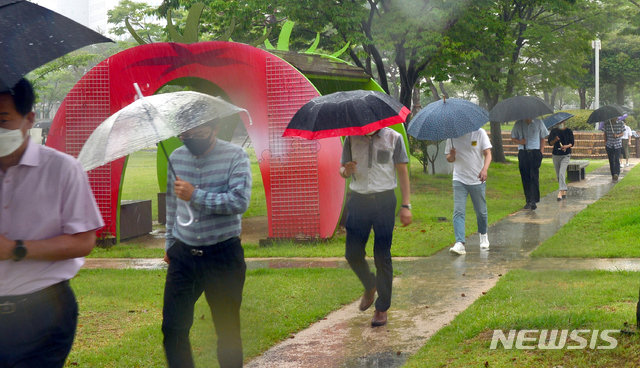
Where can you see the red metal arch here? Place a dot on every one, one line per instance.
(303, 188)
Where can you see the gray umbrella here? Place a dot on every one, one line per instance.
(606, 112)
(519, 107)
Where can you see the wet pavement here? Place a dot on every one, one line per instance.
(428, 292)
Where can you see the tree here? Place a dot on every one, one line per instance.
(140, 16)
(408, 36)
(620, 63)
(514, 43)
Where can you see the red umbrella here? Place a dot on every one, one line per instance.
(355, 112)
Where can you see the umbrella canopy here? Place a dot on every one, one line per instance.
(33, 35)
(556, 119)
(345, 113)
(519, 107)
(150, 120)
(447, 118)
(605, 112)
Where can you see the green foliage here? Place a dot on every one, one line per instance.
(608, 228)
(424, 151)
(579, 120)
(129, 15)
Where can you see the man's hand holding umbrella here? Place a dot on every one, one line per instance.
(183, 189)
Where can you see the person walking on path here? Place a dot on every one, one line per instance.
(471, 156)
(561, 138)
(529, 134)
(214, 178)
(48, 222)
(625, 144)
(373, 160)
(613, 130)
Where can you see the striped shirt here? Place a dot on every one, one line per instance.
(612, 128)
(222, 179)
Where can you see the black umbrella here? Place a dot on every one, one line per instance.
(605, 113)
(355, 112)
(31, 35)
(556, 119)
(519, 107)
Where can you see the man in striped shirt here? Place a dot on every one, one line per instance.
(613, 130)
(204, 252)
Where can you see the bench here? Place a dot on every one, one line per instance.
(575, 169)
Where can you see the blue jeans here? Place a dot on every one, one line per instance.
(477, 193)
(217, 270)
(367, 211)
(37, 330)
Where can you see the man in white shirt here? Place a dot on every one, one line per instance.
(373, 161)
(471, 156)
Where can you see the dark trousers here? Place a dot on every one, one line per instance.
(37, 330)
(614, 160)
(365, 212)
(529, 164)
(218, 271)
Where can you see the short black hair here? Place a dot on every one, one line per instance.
(23, 96)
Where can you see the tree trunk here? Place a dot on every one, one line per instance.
(582, 92)
(620, 93)
(434, 91)
(497, 152)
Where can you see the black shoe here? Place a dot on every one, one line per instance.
(615, 178)
(533, 206)
(559, 198)
(564, 196)
(527, 206)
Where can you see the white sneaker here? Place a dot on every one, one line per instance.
(458, 248)
(484, 241)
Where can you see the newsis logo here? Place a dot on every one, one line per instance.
(555, 339)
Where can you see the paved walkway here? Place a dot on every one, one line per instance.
(429, 292)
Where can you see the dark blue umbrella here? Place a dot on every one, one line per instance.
(556, 119)
(447, 118)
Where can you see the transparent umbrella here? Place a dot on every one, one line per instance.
(150, 120)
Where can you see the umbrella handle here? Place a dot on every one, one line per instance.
(188, 222)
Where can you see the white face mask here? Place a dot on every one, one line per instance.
(10, 141)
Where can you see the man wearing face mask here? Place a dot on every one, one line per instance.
(373, 161)
(48, 219)
(214, 178)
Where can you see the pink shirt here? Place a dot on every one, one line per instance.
(47, 194)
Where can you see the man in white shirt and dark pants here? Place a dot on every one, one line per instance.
(377, 163)
(471, 156)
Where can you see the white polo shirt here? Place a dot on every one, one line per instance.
(469, 158)
(376, 157)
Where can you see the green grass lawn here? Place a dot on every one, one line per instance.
(432, 199)
(121, 313)
(593, 300)
(607, 228)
